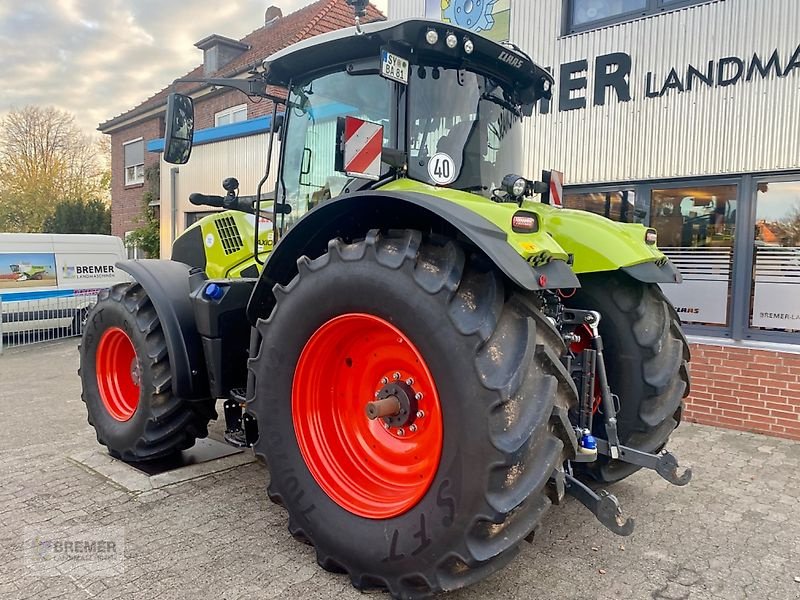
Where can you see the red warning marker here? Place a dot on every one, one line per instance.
(556, 188)
(363, 144)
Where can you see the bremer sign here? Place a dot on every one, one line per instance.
(614, 70)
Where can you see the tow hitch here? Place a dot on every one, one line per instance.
(602, 504)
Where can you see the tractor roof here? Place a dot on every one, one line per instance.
(407, 38)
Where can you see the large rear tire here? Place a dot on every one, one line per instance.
(647, 362)
(440, 506)
(127, 383)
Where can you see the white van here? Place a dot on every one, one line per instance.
(49, 281)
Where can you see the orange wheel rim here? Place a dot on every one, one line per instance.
(118, 374)
(374, 468)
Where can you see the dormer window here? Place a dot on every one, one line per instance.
(218, 51)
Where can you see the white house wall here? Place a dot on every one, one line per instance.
(243, 158)
(750, 126)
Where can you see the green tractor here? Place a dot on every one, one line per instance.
(426, 353)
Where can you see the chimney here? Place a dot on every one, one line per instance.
(273, 14)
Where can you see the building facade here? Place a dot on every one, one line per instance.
(231, 131)
(683, 115)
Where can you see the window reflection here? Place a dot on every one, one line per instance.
(588, 11)
(775, 301)
(696, 229)
(617, 206)
(695, 217)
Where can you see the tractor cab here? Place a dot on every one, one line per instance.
(430, 102)
(408, 99)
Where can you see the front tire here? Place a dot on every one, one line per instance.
(127, 382)
(647, 363)
(486, 363)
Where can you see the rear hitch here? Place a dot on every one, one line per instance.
(241, 428)
(604, 506)
(665, 464)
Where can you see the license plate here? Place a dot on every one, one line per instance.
(394, 67)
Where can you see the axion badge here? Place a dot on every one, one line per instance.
(442, 169)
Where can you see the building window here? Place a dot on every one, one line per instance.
(133, 251)
(775, 298)
(696, 230)
(194, 217)
(615, 205)
(134, 161)
(234, 114)
(582, 15)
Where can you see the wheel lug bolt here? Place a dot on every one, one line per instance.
(384, 380)
(418, 396)
(377, 394)
(385, 425)
(412, 428)
(401, 432)
(396, 376)
(410, 381)
(420, 414)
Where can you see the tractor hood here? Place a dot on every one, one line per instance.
(408, 39)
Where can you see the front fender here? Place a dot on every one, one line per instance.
(169, 285)
(599, 244)
(352, 215)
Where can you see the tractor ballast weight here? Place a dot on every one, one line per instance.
(428, 357)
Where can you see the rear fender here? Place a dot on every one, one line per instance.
(599, 244)
(169, 285)
(351, 216)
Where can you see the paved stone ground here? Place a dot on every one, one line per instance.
(733, 533)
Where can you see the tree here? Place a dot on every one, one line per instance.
(77, 216)
(45, 159)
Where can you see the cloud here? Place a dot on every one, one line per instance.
(99, 58)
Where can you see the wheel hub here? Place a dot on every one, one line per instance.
(136, 372)
(396, 403)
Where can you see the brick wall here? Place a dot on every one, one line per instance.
(747, 389)
(126, 201)
(206, 109)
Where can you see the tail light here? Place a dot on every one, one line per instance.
(525, 222)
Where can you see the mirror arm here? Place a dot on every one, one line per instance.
(250, 87)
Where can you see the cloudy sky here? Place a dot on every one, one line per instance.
(99, 58)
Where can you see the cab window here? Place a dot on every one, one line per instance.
(309, 175)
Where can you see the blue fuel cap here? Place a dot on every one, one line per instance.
(214, 292)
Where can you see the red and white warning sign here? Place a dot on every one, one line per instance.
(556, 188)
(362, 145)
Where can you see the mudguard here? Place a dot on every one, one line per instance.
(350, 216)
(599, 244)
(169, 285)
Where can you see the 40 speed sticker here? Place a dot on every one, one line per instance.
(442, 169)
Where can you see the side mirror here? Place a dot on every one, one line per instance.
(179, 129)
(277, 126)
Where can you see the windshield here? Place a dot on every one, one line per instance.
(463, 132)
(309, 174)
